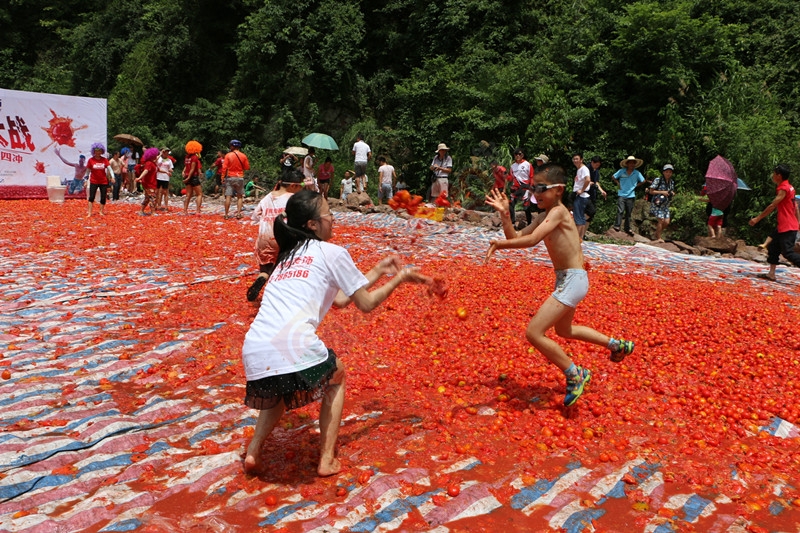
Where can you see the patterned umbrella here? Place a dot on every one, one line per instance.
(721, 182)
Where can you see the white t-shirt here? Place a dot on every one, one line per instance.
(264, 214)
(386, 171)
(347, 185)
(283, 337)
(361, 150)
(308, 166)
(581, 179)
(165, 167)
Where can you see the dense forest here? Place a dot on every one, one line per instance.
(669, 81)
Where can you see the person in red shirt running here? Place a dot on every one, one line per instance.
(98, 177)
(784, 236)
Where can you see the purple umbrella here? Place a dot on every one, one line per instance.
(721, 182)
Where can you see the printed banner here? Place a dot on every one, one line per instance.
(44, 135)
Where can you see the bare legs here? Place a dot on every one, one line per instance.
(330, 417)
(239, 202)
(554, 313)
(197, 192)
(660, 227)
(267, 419)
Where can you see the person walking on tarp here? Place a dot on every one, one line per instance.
(785, 234)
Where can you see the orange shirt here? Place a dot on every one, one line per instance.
(234, 164)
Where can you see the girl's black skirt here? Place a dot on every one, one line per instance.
(296, 389)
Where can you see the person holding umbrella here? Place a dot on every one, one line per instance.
(784, 236)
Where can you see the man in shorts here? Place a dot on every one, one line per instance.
(362, 153)
(233, 167)
(387, 179)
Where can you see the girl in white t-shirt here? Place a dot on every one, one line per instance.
(264, 215)
(286, 364)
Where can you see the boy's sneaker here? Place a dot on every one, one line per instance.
(575, 385)
(625, 348)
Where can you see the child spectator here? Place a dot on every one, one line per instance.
(286, 364)
(500, 175)
(556, 227)
(347, 184)
(264, 215)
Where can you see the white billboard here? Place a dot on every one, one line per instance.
(44, 135)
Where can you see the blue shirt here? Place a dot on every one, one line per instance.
(628, 182)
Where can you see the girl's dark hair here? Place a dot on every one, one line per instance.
(291, 232)
(293, 176)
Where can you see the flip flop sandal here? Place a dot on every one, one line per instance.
(764, 276)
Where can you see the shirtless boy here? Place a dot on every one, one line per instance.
(556, 227)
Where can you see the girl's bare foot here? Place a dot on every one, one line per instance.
(252, 464)
(329, 467)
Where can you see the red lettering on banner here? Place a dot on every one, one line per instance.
(10, 156)
(19, 134)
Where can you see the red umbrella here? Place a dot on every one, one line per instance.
(721, 182)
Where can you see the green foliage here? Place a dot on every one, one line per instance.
(672, 81)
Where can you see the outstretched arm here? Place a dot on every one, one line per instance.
(388, 266)
(769, 209)
(366, 300)
(534, 233)
(58, 153)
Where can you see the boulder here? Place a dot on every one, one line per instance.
(358, 199)
(473, 217)
(667, 246)
(683, 247)
(722, 245)
(619, 235)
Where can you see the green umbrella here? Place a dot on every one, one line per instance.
(321, 141)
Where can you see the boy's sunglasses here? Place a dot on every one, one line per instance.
(539, 188)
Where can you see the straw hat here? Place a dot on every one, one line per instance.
(543, 158)
(631, 158)
(442, 146)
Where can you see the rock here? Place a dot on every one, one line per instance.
(356, 199)
(619, 235)
(722, 244)
(750, 253)
(682, 246)
(667, 246)
(383, 208)
(473, 217)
